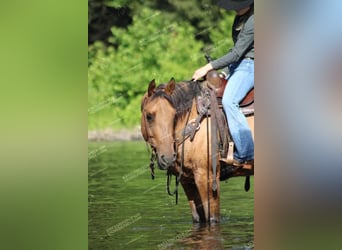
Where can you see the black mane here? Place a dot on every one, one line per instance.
(182, 97)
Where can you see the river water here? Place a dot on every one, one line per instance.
(128, 210)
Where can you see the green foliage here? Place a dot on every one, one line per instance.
(156, 45)
(150, 48)
(221, 36)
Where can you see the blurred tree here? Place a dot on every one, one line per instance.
(151, 47)
(103, 14)
(101, 17)
(132, 42)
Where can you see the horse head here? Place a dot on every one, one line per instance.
(157, 122)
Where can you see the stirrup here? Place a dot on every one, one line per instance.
(230, 155)
(246, 165)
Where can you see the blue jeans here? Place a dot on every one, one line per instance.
(241, 80)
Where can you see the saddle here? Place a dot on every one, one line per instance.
(218, 83)
(219, 127)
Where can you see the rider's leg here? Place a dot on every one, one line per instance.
(240, 82)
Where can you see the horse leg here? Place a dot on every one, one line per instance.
(210, 200)
(215, 205)
(194, 199)
(215, 197)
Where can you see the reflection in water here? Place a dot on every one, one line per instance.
(127, 210)
(204, 237)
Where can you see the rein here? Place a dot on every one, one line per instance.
(149, 139)
(169, 175)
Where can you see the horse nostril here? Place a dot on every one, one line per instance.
(163, 157)
(167, 160)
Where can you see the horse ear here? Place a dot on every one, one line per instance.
(151, 87)
(170, 87)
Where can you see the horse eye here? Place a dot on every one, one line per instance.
(149, 117)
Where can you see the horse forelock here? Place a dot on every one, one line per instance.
(162, 95)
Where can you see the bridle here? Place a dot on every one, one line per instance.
(149, 138)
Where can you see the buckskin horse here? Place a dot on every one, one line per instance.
(178, 131)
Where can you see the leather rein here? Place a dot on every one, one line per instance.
(149, 138)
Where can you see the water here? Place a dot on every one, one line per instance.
(128, 210)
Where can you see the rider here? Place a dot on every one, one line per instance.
(239, 66)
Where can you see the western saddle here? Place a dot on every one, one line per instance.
(217, 82)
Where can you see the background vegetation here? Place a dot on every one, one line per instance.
(132, 42)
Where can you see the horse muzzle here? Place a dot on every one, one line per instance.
(164, 161)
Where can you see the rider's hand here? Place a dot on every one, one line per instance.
(202, 72)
